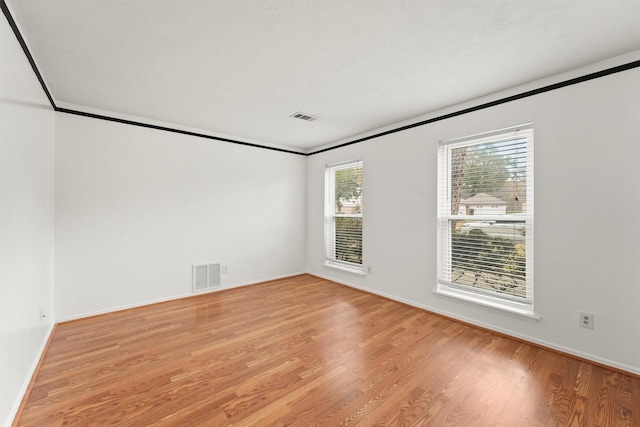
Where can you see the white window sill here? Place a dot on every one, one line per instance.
(353, 269)
(519, 309)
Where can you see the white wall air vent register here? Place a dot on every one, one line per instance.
(206, 277)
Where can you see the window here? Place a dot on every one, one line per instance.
(485, 219)
(343, 216)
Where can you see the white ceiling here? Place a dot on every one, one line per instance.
(240, 68)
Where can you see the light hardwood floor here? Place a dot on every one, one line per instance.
(305, 351)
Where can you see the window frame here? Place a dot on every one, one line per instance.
(518, 305)
(330, 216)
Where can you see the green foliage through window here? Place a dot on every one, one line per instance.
(349, 239)
(343, 213)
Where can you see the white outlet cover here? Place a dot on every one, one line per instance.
(586, 320)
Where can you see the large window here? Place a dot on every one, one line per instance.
(485, 219)
(343, 216)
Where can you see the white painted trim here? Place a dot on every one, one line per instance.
(524, 310)
(27, 381)
(171, 298)
(125, 307)
(587, 356)
(284, 276)
(345, 267)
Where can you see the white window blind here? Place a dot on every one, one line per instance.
(343, 216)
(485, 216)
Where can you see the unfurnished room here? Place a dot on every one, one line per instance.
(320, 213)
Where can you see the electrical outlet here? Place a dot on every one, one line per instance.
(225, 270)
(369, 270)
(586, 320)
(42, 317)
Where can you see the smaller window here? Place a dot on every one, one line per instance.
(343, 216)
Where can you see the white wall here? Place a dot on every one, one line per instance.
(136, 207)
(26, 221)
(587, 152)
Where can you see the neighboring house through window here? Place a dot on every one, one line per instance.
(343, 216)
(485, 219)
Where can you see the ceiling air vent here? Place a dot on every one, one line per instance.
(303, 116)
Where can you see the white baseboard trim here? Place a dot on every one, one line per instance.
(170, 298)
(122, 307)
(551, 345)
(27, 381)
(284, 276)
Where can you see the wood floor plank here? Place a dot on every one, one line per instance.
(304, 351)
